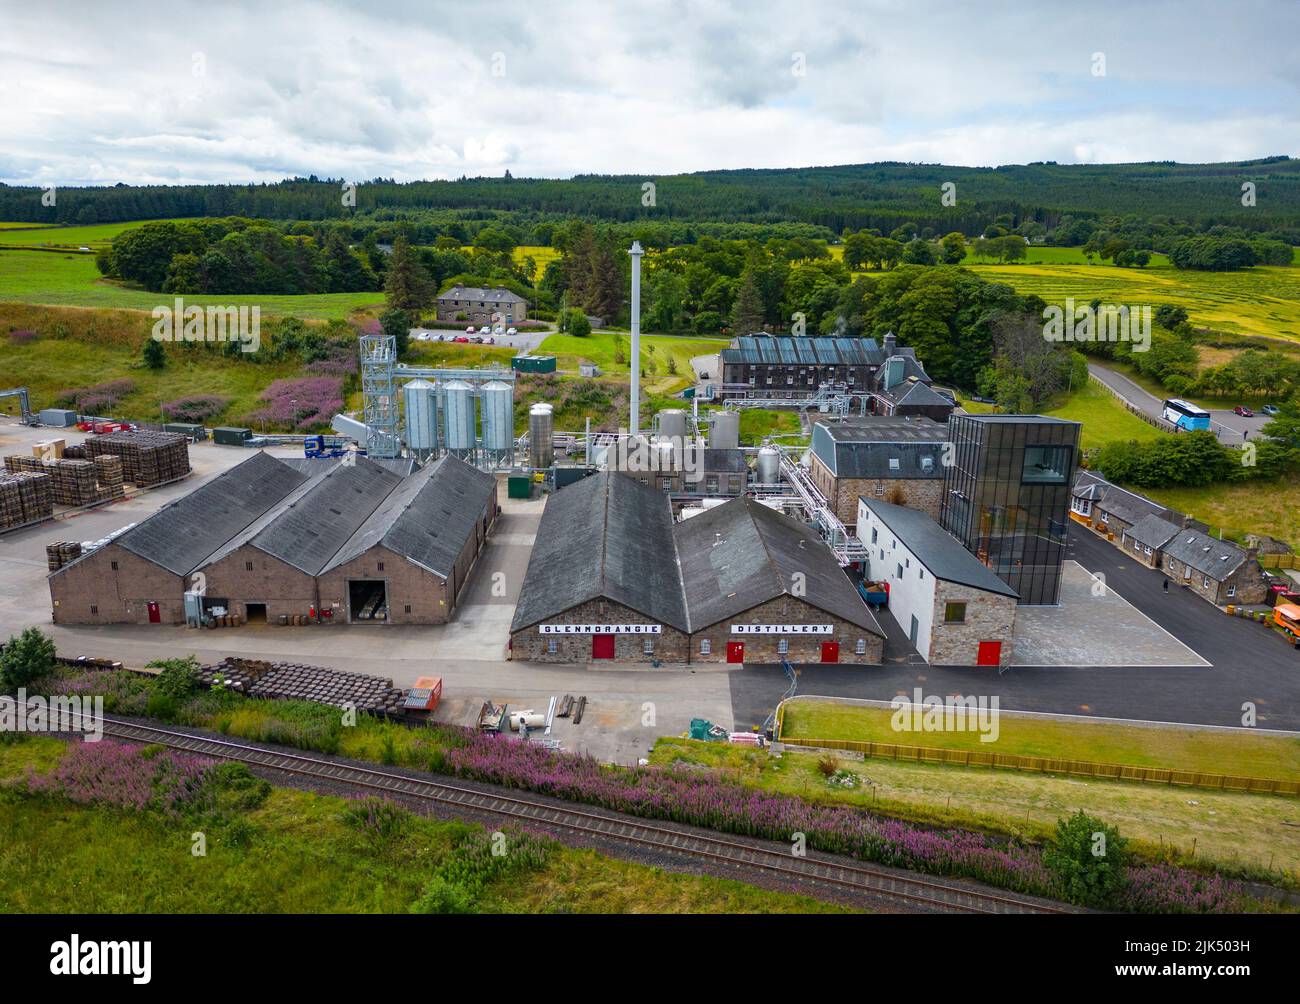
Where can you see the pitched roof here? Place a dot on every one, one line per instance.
(495, 295)
(184, 532)
(801, 351)
(863, 449)
(606, 536)
(919, 395)
(742, 553)
(941, 554)
(1152, 531)
(1216, 558)
(427, 518)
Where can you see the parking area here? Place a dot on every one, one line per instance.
(1094, 626)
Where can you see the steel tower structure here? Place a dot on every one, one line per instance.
(379, 395)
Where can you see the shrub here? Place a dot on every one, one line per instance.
(380, 818)
(194, 409)
(98, 397)
(178, 678)
(302, 403)
(828, 765)
(22, 336)
(24, 658)
(1087, 860)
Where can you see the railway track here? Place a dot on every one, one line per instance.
(930, 893)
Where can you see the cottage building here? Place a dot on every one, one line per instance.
(476, 305)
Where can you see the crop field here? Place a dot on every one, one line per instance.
(1211, 751)
(1256, 301)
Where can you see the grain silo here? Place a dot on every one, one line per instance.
(541, 436)
(461, 425)
(420, 401)
(498, 404)
(725, 434)
(769, 465)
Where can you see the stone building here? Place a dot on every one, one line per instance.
(955, 611)
(474, 305)
(1216, 570)
(897, 459)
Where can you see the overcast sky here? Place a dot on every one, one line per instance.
(175, 92)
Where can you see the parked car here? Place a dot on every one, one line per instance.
(489, 341)
(1271, 409)
(469, 330)
(477, 340)
(1243, 411)
(511, 331)
(462, 340)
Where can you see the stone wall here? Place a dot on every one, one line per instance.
(802, 648)
(989, 617)
(92, 591)
(530, 645)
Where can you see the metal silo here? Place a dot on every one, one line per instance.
(672, 423)
(420, 401)
(498, 403)
(769, 465)
(459, 410)
(725, 434)
(541, 436)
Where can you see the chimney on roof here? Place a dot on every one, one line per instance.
(891, 343)
(1186, 522)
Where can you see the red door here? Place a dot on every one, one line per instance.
(830, 651)
(735, 651)
(154, 616)
(989, 654)
(602, 646)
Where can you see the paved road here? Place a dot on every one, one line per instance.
(1248, 663)
(525, 341)
(1227, 425)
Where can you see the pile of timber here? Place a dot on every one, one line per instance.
(73, 482)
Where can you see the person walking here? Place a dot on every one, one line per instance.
(1164, 585)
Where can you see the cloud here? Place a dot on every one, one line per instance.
(173, 92)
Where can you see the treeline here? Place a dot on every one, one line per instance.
(1054, 197)
(1219, 254)
(1195, 459)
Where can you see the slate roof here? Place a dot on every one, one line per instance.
(309, 529)
(1126, 505)
(1152, 531)
(606, 536)
(942, 555)
(793, 351)
(1216, 558)
(427, 518)
(740, 554)
(181, 534)
(917, 395)
(863, 449)
(496, 295)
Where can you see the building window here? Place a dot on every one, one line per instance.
(880, 488)
(907, 562)
(550, 645)
(648, 646)
(408, 608)
(1102, 518)
(706, 647)
(94, 609)
(954, 613)
(875, 533)
(893, 463)
(115, 566)
(248, 566)
(900, 571)
(920, 574)
(1046, 465)
(1232, 591)
(381, 566)
(783, 647)
(711, 485)
(666, 483)
(1146, 550)
(1205, 582)
(860, 647)
(927, 464)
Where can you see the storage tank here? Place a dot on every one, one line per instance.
(667, 457)
(498, 402)
(769, 465)
(725, 434)
(672, 422)
(420, 402)
(541, 436)
(459, 406)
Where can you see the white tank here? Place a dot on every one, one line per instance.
(672, 422)
(769, 465)
(725, 434)
(459, 398)
(498, 402)
(541, 436)
(420, 400)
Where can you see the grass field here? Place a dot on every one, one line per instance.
(1212, 751)
(94, 236)
(298, 853)
(1234, 830)
(1104, 419)
(599, 348)
(1268, 507)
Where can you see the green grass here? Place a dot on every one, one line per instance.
(299, 854)
(599, 348)
(1236, 831)
(1239, 509)
(72, 279)
(1219, 752)
(1105, 419)
(92, 236)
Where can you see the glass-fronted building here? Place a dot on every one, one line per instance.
(1006, 496)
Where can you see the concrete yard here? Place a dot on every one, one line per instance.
(1094, 626)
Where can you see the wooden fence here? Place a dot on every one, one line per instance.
(1052, 765)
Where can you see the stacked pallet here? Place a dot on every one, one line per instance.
(61, 552)
(74, 482)
(77, 452)
(148, 458)
(294, 681)
(15, 464)
(108, 477)
(25, 497)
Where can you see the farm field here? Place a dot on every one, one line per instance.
(1232, 829)
(1264, 300)
(299, 852)
(1104, 419)
(1242, 752)
(93, 236)
(48, 277)
(1266, 507)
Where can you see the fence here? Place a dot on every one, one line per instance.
(1159, 423)
(1051, 765)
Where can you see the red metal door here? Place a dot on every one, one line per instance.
(154, 616)
(830, 651)
(602, 646)
(989, 654)
(735, 651)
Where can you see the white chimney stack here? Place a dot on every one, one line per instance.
(636, 253)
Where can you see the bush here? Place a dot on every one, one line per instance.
(24, 658)
(828, 765)
(194, 409)
(1087, 860)
(178, 679)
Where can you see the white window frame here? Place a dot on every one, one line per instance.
(706, 646)
(783, 647)
(551, 646)
(648, 646)
(860, 647)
